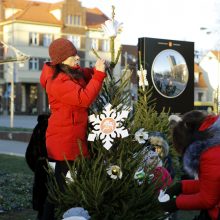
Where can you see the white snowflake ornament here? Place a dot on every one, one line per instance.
(108, 126)
(141, 136)
(142, 74)
(111, 28)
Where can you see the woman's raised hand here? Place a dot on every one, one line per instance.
(100, 65)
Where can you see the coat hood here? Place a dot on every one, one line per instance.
(192, 154)
(47, 72)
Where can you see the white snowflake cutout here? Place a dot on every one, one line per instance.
(108, 126)
(142, 74)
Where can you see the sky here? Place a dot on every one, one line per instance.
(167, 19)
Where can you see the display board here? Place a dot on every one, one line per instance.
(170, 72)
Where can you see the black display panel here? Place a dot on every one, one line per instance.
(170, 71)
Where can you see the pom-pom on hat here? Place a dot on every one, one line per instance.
(60, 49)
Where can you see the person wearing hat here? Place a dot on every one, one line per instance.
(157, 150)
(70, 90)
(196, 136)
(158, 142)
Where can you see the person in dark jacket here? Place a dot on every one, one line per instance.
(36, 158)
(70, 90)
(196, 136)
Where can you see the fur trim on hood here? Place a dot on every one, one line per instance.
(159, 139)
(192, 154)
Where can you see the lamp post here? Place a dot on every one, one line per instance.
(19, 58)
(217, 89)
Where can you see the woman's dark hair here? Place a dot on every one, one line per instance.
(72, 73)
(187, 131)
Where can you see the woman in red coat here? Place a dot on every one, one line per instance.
(70, 90)
(197, 137)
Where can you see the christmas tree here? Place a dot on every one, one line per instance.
(115, 183)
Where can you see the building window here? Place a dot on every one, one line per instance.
(200, 96)
(42, 61)
(23, 98)
(77, 20)
(105, 45)
(1, 72)
(94, 44)
(75, 40)
(34, 38)
(69, 19)
(73, 20)
(47, 39)
(33, 64)
(33, 99)
(91, 64)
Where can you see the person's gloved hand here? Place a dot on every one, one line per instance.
(174, 190)
(167, 204)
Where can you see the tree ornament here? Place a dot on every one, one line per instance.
(163, 197)
(142, 74)
(139, 175)
(141, 136)
(111, 27)
(108, 126)
(114, 172)
(76, 213)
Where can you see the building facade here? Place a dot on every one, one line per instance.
(30, 27)
(210, 65)
(200, 85)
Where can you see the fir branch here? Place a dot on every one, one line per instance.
(118, 55)
(96, 53)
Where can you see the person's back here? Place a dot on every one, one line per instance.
(197, 137)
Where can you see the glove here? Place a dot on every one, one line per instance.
(167, 204)
(174, 190)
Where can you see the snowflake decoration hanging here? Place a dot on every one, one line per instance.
(108, 126)
(142, 74)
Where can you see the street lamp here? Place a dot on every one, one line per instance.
(217, 89)
(19, 58)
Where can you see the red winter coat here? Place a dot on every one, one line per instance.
(203, 158)
(69, 101)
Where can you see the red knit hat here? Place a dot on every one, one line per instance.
(60, 49)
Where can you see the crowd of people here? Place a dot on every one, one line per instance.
(167, 88)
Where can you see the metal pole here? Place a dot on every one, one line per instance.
(12, 74)
(12, 96)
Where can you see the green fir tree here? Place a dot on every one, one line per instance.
(105, 184)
